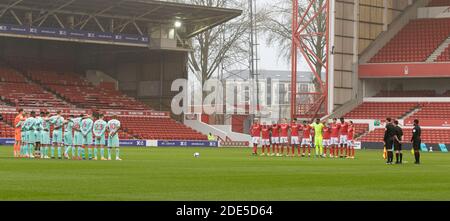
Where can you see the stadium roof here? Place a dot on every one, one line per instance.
(195, 19)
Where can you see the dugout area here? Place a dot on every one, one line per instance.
(150, 54)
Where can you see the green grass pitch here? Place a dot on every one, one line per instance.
(223, 174)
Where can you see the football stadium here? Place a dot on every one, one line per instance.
(97, 101)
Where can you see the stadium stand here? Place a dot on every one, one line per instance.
(56, 78)
(8, 118)
(433, 111)
(415, 93)
(444, 56)
(428, 135)
(439, 3)
(158, 128)
(446, 94)
(80, 92)
(415, 42)
(379, 110)
(6, 130)
(28, 95)
(10, 75)
(361, 129)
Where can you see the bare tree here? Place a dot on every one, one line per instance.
(221, 46)
(277, 26)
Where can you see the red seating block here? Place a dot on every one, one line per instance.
(444, 56)
(158, 128)
(415, 42)
(381, 110)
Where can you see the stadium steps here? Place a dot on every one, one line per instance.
(439, 50)
(411, 113)
(362, 129)
(360, 136)
(29, 80)
(48, 90)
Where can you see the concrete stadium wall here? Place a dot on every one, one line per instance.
(57, 54)
(434, 12)
(373, 86)
(357, 24)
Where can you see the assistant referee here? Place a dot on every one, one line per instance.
(416, 132)
(389, 140)
(398, 143)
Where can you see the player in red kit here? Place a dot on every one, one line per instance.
(275, 138)
(334, 140)
(265, 133)
(326, 139)
(295, 127)
(256, 133)
(306, 140)
(343, 138)
(284, 127)
(350, 142)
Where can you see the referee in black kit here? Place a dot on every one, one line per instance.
(416, 132)
(389, 134)
(398, 143)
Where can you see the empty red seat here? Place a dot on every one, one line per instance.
(415, 42)
(381, 110)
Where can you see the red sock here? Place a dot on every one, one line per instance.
(293, 149)
(268, 149)
(273, 148)
(299, 149)
(304, 149)
(353, 151)
(332, 150)
(255, 148)
(325, 150)
(309, 149)
(263, 147)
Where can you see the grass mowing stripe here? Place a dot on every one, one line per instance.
(223, 174)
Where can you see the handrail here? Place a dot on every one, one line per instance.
(447, 10)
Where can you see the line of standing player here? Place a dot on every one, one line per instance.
(74, 134)
(322, 136)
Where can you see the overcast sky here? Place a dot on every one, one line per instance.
(269, 55)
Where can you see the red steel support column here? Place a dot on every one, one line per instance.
(294, 59)
(300, 23)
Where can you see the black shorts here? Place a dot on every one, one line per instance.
(416, 144)
(397, 146)
(389, 144)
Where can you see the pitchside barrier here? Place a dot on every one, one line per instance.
(145, 143)
(424, 147)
